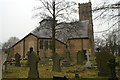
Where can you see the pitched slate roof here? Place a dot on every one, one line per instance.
(66, 31)
(77, 29)
(36, 37)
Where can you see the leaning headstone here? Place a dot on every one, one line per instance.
(103, 63)
(17, 60)
(81, 57)
(33, 64)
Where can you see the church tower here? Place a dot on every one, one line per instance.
(85, 13)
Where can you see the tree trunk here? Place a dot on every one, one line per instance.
(56, 63)
(56, 60)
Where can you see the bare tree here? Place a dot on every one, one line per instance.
(99, 43)
(108, 13)
(11, 41)
(55, 11)
(110, 42)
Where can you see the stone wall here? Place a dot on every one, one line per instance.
(76, 45)
(18, 49)
(30, 41)
(23, 46)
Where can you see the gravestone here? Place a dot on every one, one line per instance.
(56, 62)
(33, 64)
(66, 61)
(88, 63)
(17, 60)
(103, 63)
(58, 77)
(112, 64)
(81, 57)
(67, 56)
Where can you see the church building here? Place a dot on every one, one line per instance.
(85, 41)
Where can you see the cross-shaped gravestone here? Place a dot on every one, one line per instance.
(33, 64)
(88, 63)
(66, 61)
(17, 59)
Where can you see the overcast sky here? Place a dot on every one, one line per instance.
(16, 17)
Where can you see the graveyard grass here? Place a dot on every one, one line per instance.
(45, 71)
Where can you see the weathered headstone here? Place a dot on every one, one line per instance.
(17, 60)
(33, 64)
(56, 62)
(81, 57)
(66, 61)
(103, 63)
(67, 56)
(112, 64)
(57, 77)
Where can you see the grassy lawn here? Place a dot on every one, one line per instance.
(45, 71)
